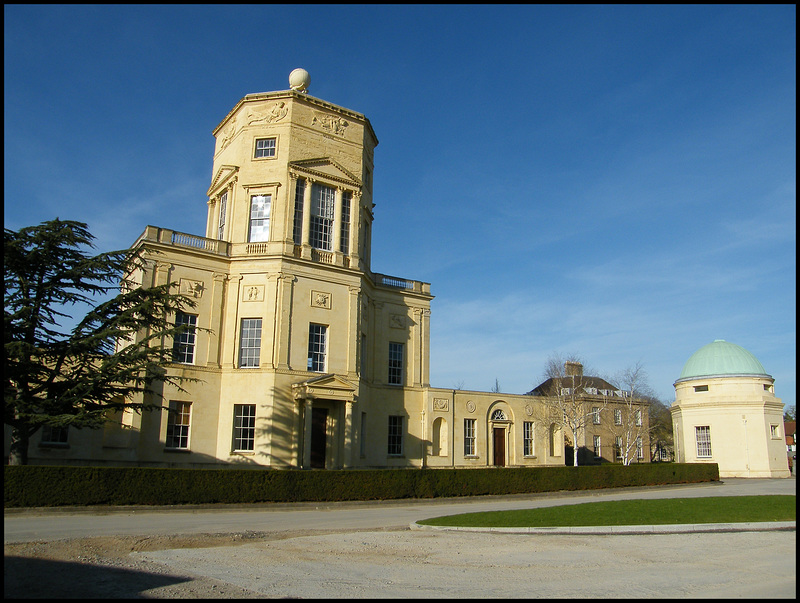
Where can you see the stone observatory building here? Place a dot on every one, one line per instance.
(726, 412)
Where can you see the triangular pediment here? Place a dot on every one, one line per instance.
(221, 179)
(325, 167)
(330, 387)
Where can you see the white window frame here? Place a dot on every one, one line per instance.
(250, 343)
(317, 348)
(618, 448)
(395, 439)
(260, 207)
(397, 351)
(598, 448)
(702, 436)
(528, 438)
(595, 415)
(469, 437)
(344, 228)
(266, 150)
(54, 435)
(184, 344)
(639, 448)
(223, 208)
(179, 421)
(638, 417)
(617, 416)
(299, 196)
(323, 204)
(244, 427)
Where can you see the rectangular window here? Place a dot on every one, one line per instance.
(178, 425)
(250, 343)
(639, 449)
(773, 429)
(598, 451)
(244, 427)
(344, 244)
(638, 418)
(317, 347)
(527, 438)
(299, 194)
(223, 204)
(259, 218)
(701, 388)
(703, 438)
(395, 435)
(469, 437)
(184, 343)
(265, 147)
(396, 363)
(322, 207)
(617, 416)
(596, 415)
(618, 447)
(52, 434)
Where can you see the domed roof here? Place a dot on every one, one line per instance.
(720, 359)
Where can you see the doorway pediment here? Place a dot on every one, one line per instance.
(329, 387)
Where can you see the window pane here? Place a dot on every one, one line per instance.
(265, 147)
(396, 363)
(299, 193)
(184, 343)
(395, 435)
(244, 426)
(322, 208)
(259, 217)
(469, 437)
(250, 344)
(223, 204)
(344, 245)
(703, 437)
(317, 335)
(178, 425)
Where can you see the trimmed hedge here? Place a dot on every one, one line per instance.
(46, 486)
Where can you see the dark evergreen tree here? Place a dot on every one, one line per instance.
(77, 377)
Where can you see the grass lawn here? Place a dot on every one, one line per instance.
(713, 509)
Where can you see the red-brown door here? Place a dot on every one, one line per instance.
(499, 436)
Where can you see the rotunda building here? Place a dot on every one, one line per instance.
(726, 412)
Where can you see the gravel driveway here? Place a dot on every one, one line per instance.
(394, 561)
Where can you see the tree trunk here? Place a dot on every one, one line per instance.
(19, 446)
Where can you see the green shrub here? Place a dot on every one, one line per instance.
(48, 486)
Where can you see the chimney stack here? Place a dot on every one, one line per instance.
(573, 369)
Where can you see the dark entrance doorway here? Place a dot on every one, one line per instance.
(319, 424)
(499, 437)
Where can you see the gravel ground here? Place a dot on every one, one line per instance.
(406, 563)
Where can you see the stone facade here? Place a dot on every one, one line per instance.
(726, 412)
(304, 357)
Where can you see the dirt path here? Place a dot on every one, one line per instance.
(404, 563)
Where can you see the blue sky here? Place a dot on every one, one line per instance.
(612, 182)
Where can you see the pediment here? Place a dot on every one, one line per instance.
(330, 387)
(221, 179)
(325, 167)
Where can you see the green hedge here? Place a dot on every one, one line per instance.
(46, 486)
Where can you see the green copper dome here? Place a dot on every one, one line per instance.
(719, 359)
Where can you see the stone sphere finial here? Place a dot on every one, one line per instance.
(298, 80)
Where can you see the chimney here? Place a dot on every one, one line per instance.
(573, 369)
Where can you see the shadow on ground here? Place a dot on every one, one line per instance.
(28, 578)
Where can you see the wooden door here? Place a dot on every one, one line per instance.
(319, 428)
(499, 437)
